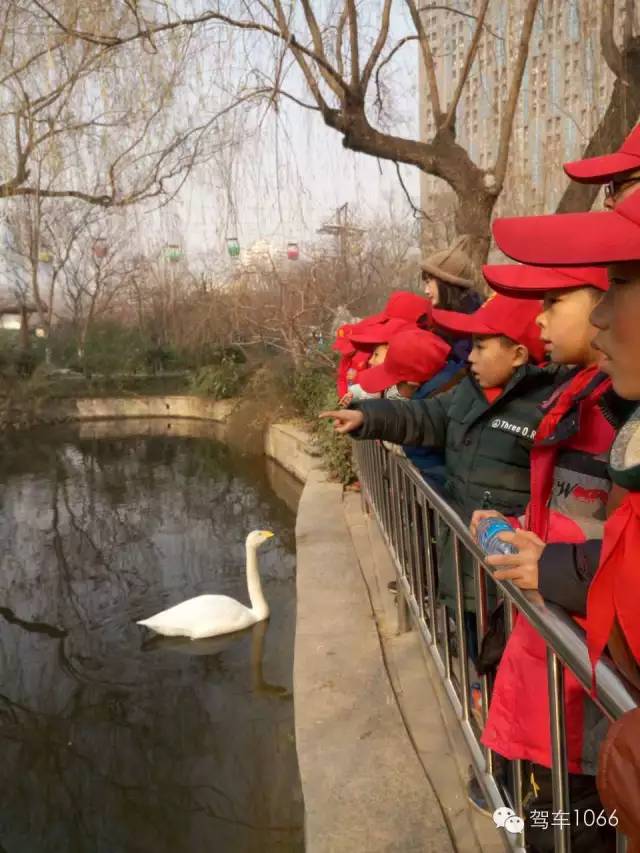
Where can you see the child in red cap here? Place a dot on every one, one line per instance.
(366, 341)
(570, 496)
(417, 364)
(485, 424)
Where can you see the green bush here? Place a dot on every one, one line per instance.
(218, 381)
(14, 359)
(313, 390)
(336, 449)
(311, 387)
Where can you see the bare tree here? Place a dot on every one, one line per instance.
(623, 109)
(342, 53)
(111, 125)
(339, 60)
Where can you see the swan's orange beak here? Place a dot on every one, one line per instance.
(267, 534)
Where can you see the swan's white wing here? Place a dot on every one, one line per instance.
(203, 616)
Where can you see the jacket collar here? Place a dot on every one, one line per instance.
(625, 454)
(569, 423)
(524, 375)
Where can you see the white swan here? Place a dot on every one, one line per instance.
(211, 615)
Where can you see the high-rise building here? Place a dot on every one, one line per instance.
(565, 91)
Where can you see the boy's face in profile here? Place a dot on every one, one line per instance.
(493, 360)
(378, 355)
(565, 326)
(617, 319)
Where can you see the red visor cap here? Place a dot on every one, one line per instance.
(573, 239)
(342, 343)
(380, 333)
(414, 355)
(499, 315)
(408, 306)
(403, 305)
(527, 282)
(599, 170)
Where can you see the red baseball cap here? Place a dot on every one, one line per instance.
(403, 305)
(599, 170)
(342, 344)
(528, 282)
(499, 315)
(414, 355)
(573, 239)
(379, 333)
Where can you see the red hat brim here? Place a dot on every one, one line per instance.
(526, 282)
(377, 379)
(380, 333)
(599, 170)
(461, 324)
(573, 239)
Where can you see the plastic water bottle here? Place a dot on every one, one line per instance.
(487, 533)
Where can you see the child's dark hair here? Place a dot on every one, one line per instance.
(454, 298)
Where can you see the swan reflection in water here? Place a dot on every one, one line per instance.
(214, 646)
(104, 743)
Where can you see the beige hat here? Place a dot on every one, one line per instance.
(452, 265)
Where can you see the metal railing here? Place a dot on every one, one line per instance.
(410, 513)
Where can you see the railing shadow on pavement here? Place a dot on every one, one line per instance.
(411, 514)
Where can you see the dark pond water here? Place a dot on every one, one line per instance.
(110, 743)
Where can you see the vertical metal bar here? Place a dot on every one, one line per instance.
(416, 549)
(420, 552)
(402, 502)
(460, 627)
(395, 506)
(516, 767)
(482, 614)
(509, 616)
(559, 775)
(621, 843)
(431, 578)
(446, 640)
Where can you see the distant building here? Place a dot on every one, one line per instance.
(565, 90)
(14, 314)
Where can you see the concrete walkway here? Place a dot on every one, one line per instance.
(379, 769)
(423, 702)
(364, 786)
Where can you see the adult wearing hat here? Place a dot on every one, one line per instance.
(447, 277)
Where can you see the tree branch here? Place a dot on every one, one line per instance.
(506, 126)
(374, 56)
(468, 62)
(354, 47)
(427, 59)
(610, 52)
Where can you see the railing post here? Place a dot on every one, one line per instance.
(392, 488)
(559, 776)
(461, 629)
(427, 518)
(404, 622)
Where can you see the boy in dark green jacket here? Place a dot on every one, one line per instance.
(486, 424)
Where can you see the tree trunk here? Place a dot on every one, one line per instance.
(620, 117)
(24, 328)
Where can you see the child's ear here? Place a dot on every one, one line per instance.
(520, 355)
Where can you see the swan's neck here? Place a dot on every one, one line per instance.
(258, 601)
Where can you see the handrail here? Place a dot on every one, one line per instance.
(613, 696)
(409, 512)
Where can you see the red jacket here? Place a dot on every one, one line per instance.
(349, 366)
(569, 491)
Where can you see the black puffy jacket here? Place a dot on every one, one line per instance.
(486, 445)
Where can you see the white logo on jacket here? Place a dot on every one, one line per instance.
(517, 429)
